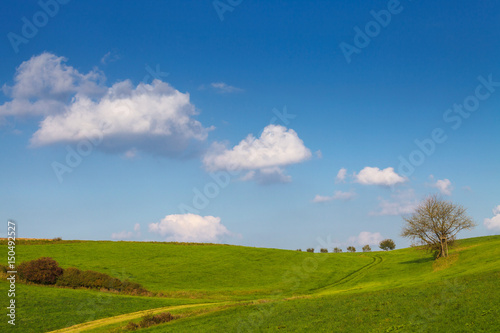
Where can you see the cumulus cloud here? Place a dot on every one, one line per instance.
(367, 238)
(341, 176)
(151, 117)
(190, 228)
(263, 157)
(444, 186)
(494, 222)
(401, 202)
(147, 117)
(127, 235)
(376, 176)
(44, 85)
(338, 195)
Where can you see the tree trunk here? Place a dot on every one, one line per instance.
(444, 247)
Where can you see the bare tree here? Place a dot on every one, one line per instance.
(435, 223)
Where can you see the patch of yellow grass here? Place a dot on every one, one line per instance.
(444, 263)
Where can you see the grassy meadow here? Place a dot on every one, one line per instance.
(221, 288)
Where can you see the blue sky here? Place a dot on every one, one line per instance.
(285, 124)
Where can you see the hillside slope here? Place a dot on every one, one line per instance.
(403, 290)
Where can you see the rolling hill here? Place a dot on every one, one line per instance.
(221, 288)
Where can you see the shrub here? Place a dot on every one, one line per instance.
(75, 278)
(42, 271)
(310, 249)
(367, 248)
(70, 278)
(131, 326)
(150, 320)
(387, 244)
(57, 239)
(337, 250)
(300, 250)
(351, 249)
(324, 250)
(133, 288)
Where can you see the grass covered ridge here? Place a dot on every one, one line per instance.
(268, 289)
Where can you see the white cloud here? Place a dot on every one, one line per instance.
(402, 202)
(44, 84)
(444, 186)
(151, 117)
(277, 147)
(494, 222)
(224, 88)
(126, 235)
(366, 237)
(341, 176)
(267, 176)
(190, 228)
(110, 56)
(375, 176)
(338, 195)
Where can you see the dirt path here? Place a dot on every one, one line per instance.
(126, 317)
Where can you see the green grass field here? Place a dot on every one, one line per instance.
(220, 288)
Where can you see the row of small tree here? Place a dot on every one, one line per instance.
(386, 245)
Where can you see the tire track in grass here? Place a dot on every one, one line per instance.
(352, 276)
(126, 317)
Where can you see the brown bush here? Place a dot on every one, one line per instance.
(75, 278)
(42, 271)
(151, 319)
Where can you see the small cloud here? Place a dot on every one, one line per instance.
(318, 154)
(110, 56)
(366, 238)
(222, 88)
(376, 176)
(131, 153)
(341, 176)
(402, 202)
(444, 186)
(267, 176)
(338, 195)
(467, 189)
(494, 222)
(190, 228)
(127, 235)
